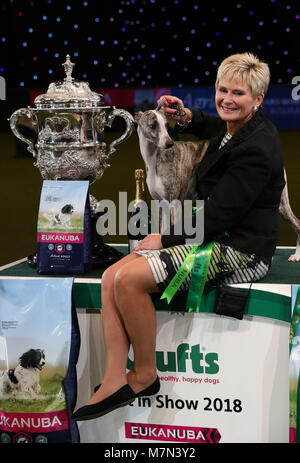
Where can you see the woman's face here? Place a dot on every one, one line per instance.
(235, 102)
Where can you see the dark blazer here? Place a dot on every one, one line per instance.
(243, 181)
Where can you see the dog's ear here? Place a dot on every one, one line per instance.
(67, 209)
(137, 116)
(26, 358)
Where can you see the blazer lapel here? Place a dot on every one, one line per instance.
(214, 154)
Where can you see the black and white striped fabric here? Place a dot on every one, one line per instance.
(226, 138)
(227, 265)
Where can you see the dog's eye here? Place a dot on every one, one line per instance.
(153, 125)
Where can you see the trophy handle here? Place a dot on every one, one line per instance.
(13, 120)
(128, 131)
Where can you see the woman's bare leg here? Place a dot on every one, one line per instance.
(133, 285)
(116, 322)
(115, 337)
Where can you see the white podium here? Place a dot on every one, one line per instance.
(222, 380)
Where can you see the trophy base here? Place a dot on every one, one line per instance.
(102, 256)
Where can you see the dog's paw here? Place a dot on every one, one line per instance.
(294, 257)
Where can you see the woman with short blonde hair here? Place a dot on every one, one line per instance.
(247, 68)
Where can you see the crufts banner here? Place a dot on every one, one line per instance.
(223, 380)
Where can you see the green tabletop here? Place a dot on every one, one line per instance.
(282, 271)
(87, 287)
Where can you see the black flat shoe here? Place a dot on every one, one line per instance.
(123, 396)
(150, 390)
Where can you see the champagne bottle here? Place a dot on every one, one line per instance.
(139, 224)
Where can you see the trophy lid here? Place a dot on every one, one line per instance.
(69, 93)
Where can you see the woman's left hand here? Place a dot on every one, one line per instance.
(152, 241)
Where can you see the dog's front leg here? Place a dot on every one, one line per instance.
(288, 215)
(296, 256)
(36, 387)
(29, 391)
(32, 394)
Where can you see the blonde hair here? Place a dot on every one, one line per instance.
(248, 69)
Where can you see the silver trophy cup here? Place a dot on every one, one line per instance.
(69, 122)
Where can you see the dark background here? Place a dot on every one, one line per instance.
(128, 44)
(154, 42)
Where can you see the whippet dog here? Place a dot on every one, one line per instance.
(287, 214)
(171, 165)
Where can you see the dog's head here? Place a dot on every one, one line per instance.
(33, 358)
(67, 209)
(153, 126)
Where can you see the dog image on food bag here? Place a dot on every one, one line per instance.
(63, 218)
(24, 378)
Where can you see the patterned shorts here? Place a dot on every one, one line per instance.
(227, 265)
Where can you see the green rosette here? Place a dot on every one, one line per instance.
(199, 276)
(197, 263)
(185, 268)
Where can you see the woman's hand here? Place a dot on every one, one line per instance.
(152, 241)
(171, 113)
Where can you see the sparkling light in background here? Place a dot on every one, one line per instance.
(143, 43)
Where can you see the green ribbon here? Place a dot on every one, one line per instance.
(199, 277)
(295, 319)
(185, 268)
(197, 261)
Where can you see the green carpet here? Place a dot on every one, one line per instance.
(282, 271)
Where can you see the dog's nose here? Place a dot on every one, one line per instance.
(169, 144)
